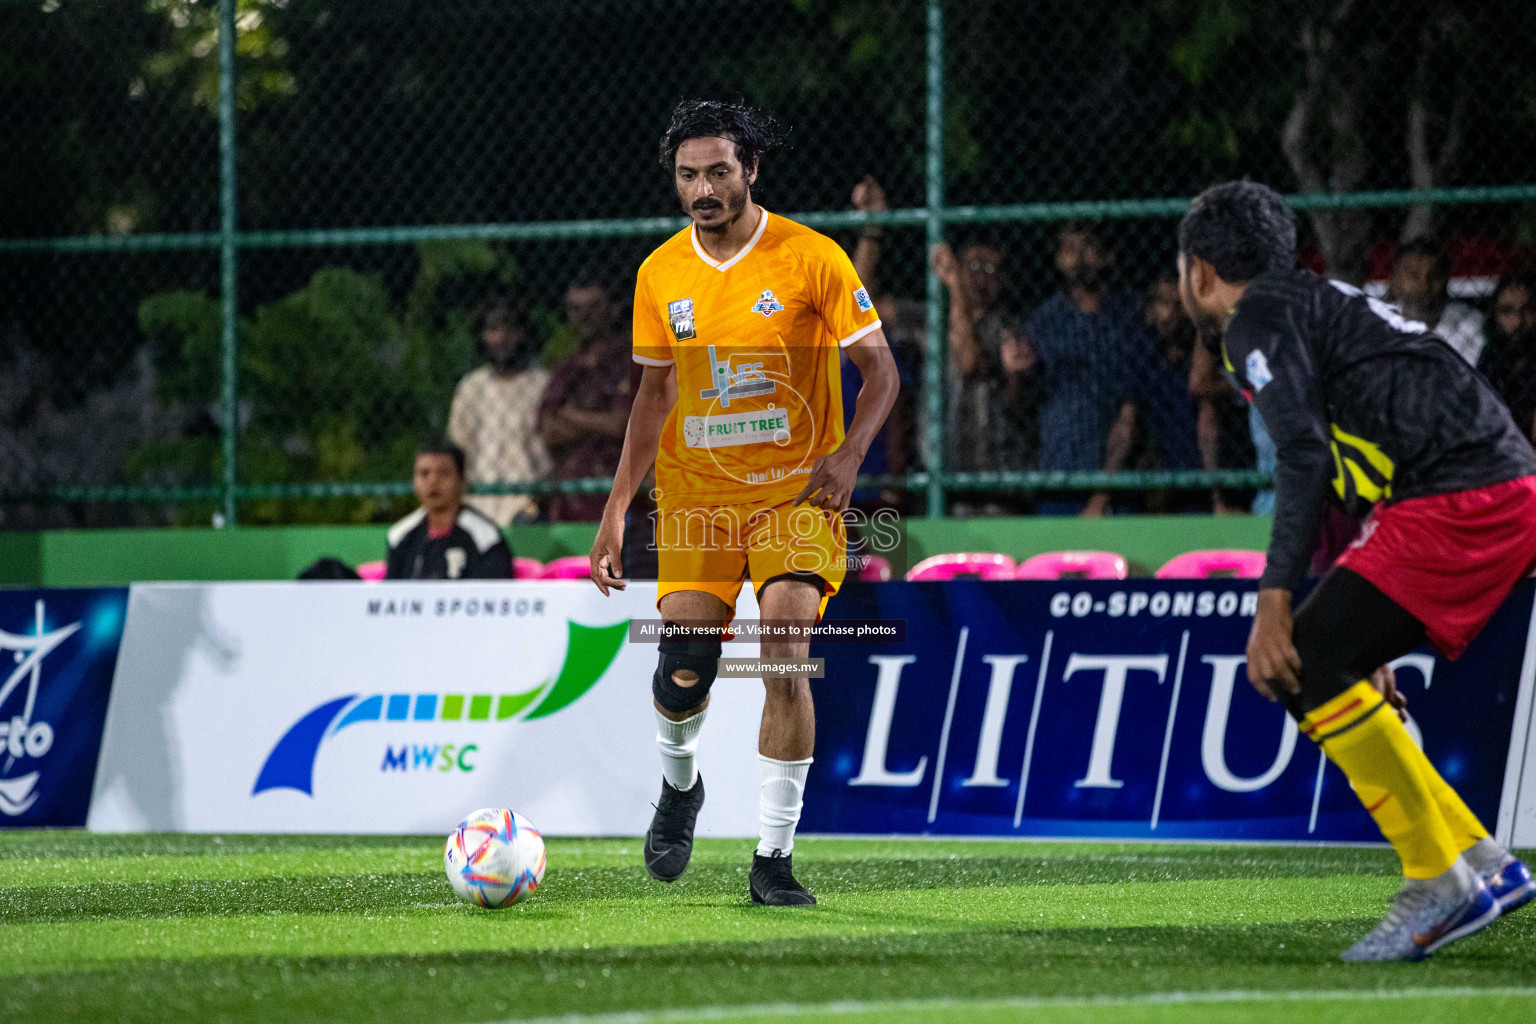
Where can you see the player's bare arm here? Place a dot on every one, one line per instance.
(1272, 657)
(1301, 480)
(653, 401)
(832, 476)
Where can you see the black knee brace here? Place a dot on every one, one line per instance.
(702, 657)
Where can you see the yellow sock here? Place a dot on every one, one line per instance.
(1465, 828)
(1361, 734)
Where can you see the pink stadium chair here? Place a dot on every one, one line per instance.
(372, 571)
(571, 567)
(985, 565)
(1088, 565)
(1243, 565)
(875, 569)
(527, 568)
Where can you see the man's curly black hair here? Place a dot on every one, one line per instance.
(753, 131)
(1242, 229)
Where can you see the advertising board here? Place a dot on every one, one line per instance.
(399, 707)
(59, 648)
(1119, 710)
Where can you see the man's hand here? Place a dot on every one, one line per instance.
(606, 551)
(1385, 682)
(1016, 356)
(1272, 659)
(868, 196)
(832, 479)
(945, 266)
(1097, 507)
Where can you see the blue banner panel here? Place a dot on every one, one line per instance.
(1115, 710)
(58, 650)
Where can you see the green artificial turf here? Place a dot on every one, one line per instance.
(306, 928)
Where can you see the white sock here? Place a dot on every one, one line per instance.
(679, 741)
(779, 802)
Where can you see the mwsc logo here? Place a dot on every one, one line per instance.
(589, 652)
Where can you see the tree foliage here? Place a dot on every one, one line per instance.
(338, 381)
(1351, 95)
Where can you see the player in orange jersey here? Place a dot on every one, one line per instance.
(738, 322)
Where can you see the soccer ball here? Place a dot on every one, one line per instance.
(495, 858)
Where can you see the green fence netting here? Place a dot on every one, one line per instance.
(251, 247)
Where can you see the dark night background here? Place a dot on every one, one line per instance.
(393, 112)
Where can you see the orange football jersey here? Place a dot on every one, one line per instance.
(755, 341)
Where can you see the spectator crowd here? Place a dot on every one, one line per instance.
(1098, 376)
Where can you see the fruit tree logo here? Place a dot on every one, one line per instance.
(20, 736)
(588, 653)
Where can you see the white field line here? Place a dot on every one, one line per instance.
(847, 1007)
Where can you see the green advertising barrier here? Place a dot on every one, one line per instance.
(75, 558)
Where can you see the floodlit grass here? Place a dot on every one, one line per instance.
(291, 928)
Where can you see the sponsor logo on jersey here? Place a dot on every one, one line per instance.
(1257, 369)
(680, 313)
(862, 300)
(766, 304)
(730, 430)
(745, 381)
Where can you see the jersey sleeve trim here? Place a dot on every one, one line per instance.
(856, 335)
(649, 333)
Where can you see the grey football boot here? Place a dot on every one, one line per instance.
(1429, 913)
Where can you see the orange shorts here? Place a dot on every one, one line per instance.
(715, 549)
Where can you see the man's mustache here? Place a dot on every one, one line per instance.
(707, 204)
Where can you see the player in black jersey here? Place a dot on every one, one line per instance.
(1371, 411)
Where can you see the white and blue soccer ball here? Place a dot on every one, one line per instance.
(495, 858)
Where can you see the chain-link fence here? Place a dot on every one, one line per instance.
(245, 272)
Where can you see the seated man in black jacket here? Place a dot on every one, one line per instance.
(445, 539)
